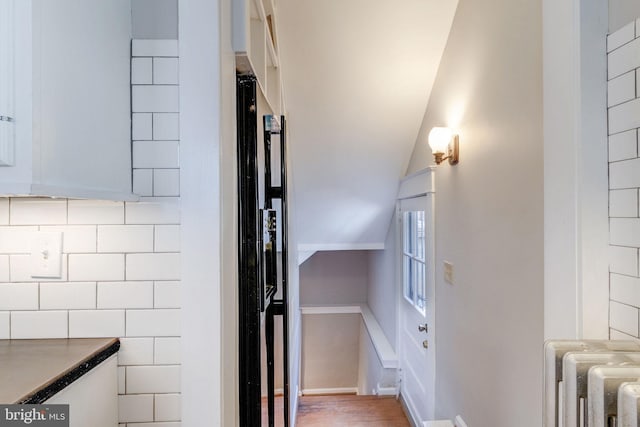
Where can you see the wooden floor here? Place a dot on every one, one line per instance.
(345, 410)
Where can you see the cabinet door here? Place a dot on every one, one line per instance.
(82, 119)
(92, 398)
(69, 89)
(7, 113)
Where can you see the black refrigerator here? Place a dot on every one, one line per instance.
(263, 261)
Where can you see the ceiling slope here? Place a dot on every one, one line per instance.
(357, 77)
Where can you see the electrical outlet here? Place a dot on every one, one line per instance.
(448, 272)
(46, 254)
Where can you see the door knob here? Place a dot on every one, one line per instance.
(423, 328)
(425, 344)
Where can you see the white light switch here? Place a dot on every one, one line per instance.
(46, 254)
(448, 272)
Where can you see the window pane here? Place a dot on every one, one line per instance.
(414, 256)
(407, 232)
(420, 235)
(420, 286)
(408, 278)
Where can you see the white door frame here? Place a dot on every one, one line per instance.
(418, 184)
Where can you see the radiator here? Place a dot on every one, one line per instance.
(591, 383)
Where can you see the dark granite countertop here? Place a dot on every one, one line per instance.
(31, 371)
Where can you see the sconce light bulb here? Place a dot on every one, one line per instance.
(439, 139)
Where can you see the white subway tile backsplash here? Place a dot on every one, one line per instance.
(148, 47)
(165, 71)
(143, 182)
(4, 268)
(39, 324)
(624, 174)
(167, 351)
(4, 211)
(623, 260)
(153, 323)
(624, 116)
(167, 295)
(155, 154)
(135, 408)
(96, 267)
(622, 89)
(16, 240)
(5, 327)
(68, 296)
(20, 270)
(624, 59)
(625, 289)
(75, 238)
(141, 71)
(167, 407)
(125, 295)
(166, 212)
(38, 211)
(155, 99)
(625, 232)
(623, 146)
(157, 266)
(96, 323)
(623, 203)
(141, 126)
(166, 126)
(18, 296)
(153, 379)
(622, 36)
(135, 351)
(125, 238)
(623, 318)
(166, 182)
(96, 212)
(167, 238)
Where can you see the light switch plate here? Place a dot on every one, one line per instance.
(46, 254)
(448, 272)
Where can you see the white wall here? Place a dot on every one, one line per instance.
(154, 19)
(624, 183)
(489, 217)
(575, 170)
(334, 277)
(208, 201)
(381, 286)
(332, 340)
(330, 351)
(621, 12)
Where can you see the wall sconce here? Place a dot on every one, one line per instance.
(443, 141)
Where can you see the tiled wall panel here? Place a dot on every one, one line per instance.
(623, 49)
(155, 126)
(120, 263)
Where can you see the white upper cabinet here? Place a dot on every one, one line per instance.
(65, 129)
(255, 42)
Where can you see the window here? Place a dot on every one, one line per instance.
(413, 258)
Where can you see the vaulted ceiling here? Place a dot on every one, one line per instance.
(357, 77)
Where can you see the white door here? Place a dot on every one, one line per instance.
(416, 337)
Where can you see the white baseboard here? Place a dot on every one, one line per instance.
(319, 391)
(460, 422)
(439, 423)
(387, 391)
